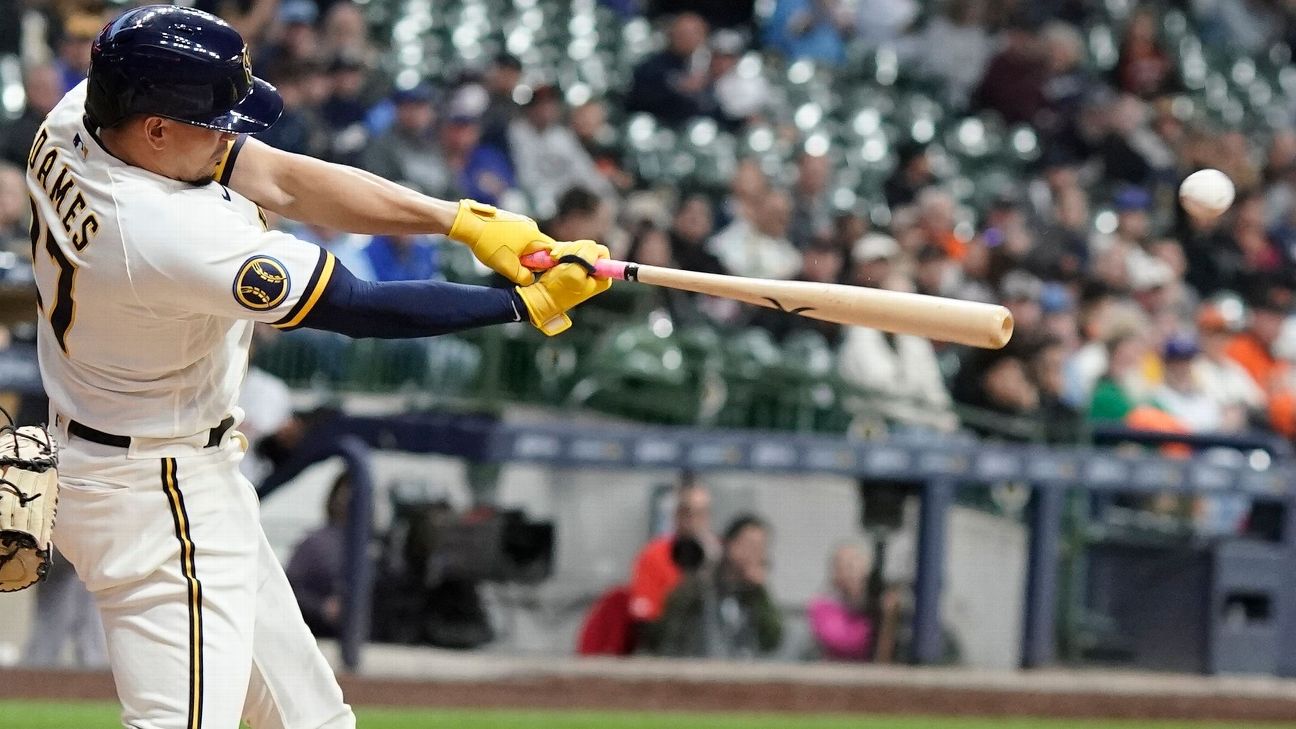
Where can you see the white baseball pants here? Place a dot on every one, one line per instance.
(202, 626)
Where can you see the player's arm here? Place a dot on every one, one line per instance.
(403, 309)
(336, 196)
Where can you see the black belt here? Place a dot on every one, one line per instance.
(85, 432)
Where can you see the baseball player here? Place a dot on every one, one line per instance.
(152, 261)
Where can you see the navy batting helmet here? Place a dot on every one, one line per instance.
(179, 63)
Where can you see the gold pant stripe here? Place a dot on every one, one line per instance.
(187, 568)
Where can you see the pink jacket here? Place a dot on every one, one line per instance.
(841, 633)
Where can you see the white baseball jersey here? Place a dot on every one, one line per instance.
(148, 286)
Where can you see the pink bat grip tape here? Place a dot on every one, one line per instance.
(603, 268)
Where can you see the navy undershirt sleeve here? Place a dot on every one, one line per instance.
(408, 309)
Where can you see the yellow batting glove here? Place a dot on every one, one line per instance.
(499, 238)
(564, 286)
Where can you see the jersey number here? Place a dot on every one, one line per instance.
(64, 309)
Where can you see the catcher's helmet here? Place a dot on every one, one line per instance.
(179, 63)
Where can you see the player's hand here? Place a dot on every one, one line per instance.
(564, 286)
(499, 238)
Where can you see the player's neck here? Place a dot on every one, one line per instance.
(118, 142)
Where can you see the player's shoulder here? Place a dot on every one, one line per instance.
(155, 213)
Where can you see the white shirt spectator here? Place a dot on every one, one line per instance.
(1227, 383)
(906, 378)
(1196, 410)
(550, 162)
(956, 55)
(745, 251)
(882, 21)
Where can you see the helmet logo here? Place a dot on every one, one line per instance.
(247, 66)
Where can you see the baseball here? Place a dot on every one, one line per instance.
(1206, 194)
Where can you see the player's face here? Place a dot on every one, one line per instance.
(195, 152)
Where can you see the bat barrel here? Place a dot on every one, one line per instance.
(973, 323)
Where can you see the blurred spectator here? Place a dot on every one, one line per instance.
(315, 568)
(408, 152)
(295, 40)
(1182, 397)
(1130, 151)
(582, 215)
(655, 573)
(477, 170)
(73, 61)
(1063, 249)
(1121, 256)
(1013, 84)
(1021, 292)
(674, 84)
(346, 32)
(1059, 320)
(548, 157)
(1062, 423)
(1144, 68)
(1068, 84)
(997, 381)
(14, 211)
(1253, 348)
(689, 233)
(1244, 25)
(403, 258)
(724, 610)
(953, 48)
(717, 13)
(747, 191)
(299, 129)
(1100, 318)
(42, 88)
(1115, 396)
(345, 109)
(758, 246)
(1221, 376)
(347, 247)
(913, 172)
(501, 82)
(740, 96)
(839, 621)
(589, 123)
(811, 210)
(251, 18)
(936, 209)
(883, 21)
(448, 161)
(898, 375)
(816, 30)
(933, 272)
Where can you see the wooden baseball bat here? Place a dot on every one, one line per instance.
(949, 320)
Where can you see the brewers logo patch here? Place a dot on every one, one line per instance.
(262, 283)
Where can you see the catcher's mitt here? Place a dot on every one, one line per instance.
(28, 498)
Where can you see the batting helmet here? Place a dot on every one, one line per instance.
(179, 63)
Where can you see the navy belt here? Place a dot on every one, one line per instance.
(85, 432)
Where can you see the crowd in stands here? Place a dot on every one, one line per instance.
(1127, 310)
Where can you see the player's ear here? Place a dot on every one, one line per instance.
(156, 131)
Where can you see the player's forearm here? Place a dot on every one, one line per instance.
(336, 196)
(353, 200)
(409, 309)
